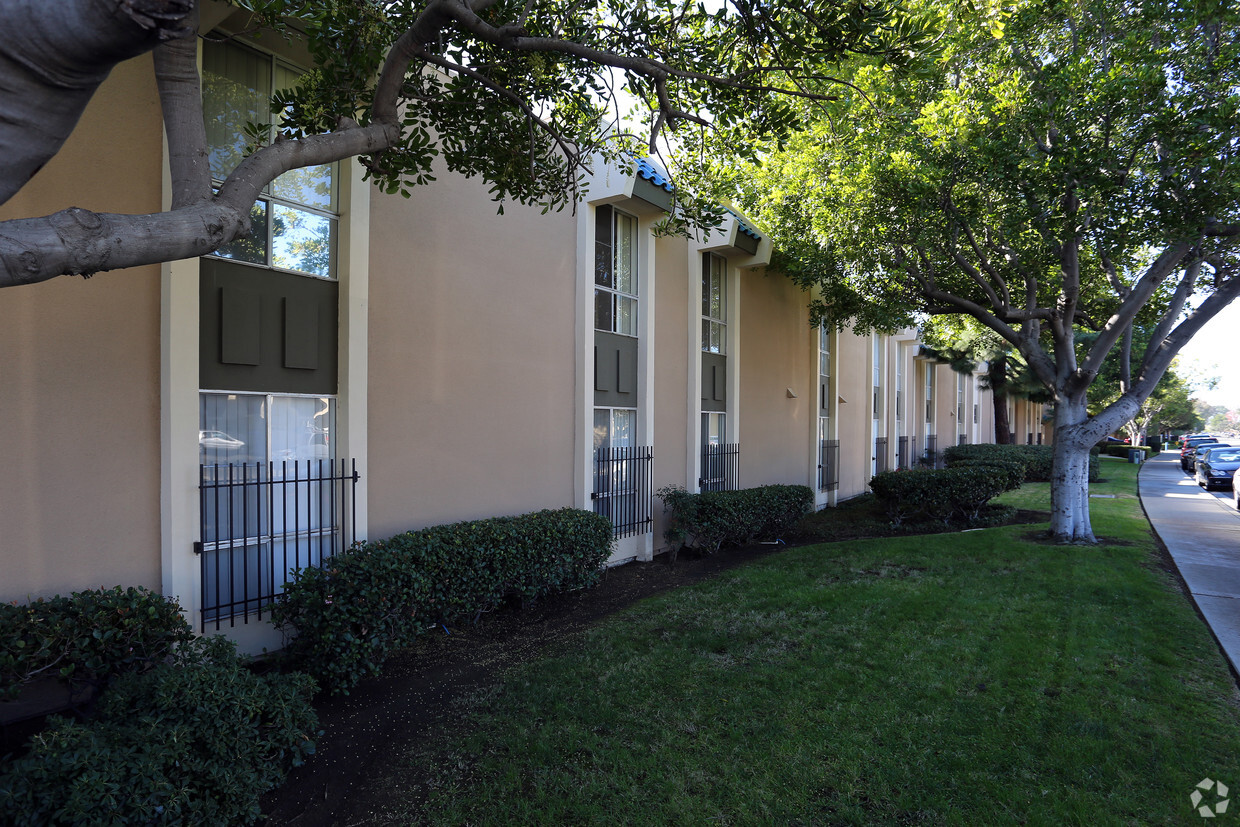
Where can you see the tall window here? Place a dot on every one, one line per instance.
(294, 223)
(714, 303)
(824, 381)
(929, 395)
(615, 271)
(899, 392)
(960, 409)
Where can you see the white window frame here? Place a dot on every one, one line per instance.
(619, 297)
(714, 324)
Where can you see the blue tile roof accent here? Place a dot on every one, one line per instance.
(744, 227)
(654, 175)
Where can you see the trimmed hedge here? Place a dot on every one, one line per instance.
(1037, 459)
(943, 494)
(196, 741)
(363, 604)
(712, 519)
(89, 637)
(1121, 451)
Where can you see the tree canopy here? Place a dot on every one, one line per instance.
(1078, 172)
(520, 93)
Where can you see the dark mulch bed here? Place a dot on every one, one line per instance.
(413, 699)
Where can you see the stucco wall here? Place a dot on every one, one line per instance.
(852, 389)
(671, 369)
(471, 361)
(777, 345)
(79, 372)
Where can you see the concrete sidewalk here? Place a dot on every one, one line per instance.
(1202, 532)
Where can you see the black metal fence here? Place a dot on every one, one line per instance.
(931, 458)
(622, 488)
(902, 452)
(880, 454)
(829, 465)
(721, 466)
(261, 522)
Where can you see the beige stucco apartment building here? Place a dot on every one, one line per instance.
(166, 425)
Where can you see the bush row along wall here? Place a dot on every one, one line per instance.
(363, 604)
(712, 519)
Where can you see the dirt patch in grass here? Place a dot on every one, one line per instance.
(413, 700)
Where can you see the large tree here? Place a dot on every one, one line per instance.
(517, 91)
(1078, 172)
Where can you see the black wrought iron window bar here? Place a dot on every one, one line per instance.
(721, 466)
(261, 522)
(829, 465)
(931, 458)
(623, 482)
(880, 454)
(902, 452)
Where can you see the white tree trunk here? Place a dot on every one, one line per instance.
(1070, 475)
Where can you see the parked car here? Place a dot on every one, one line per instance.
(1188, 452)
(1216, 464)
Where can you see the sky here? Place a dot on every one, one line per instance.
(1215, 352)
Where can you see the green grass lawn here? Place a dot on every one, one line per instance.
(972, 678)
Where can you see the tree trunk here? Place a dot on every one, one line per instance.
(1070, 473)
(996, 370)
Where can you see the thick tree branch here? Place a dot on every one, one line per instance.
(180, 99)
(1154, 275)
(82, 242)
(53, 56)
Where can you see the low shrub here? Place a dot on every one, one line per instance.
(1037, 459)
(88, 637)
(942, 494)
(195, 741)
(1121, 451)
(349, 615)
(712, 519)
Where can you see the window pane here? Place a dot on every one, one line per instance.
(626, 315)
(311, 186)
(302, 427)
(236, 91)
(623, 428)
(706, 335)
(254, 248)
(603, 263)
(626, 279)
(301, 241)
(232, 428)
(602, 428)
(604, 314)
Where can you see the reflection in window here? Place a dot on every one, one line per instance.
(292, 226)
(615, 274)
(301, 240)
(713, 303)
